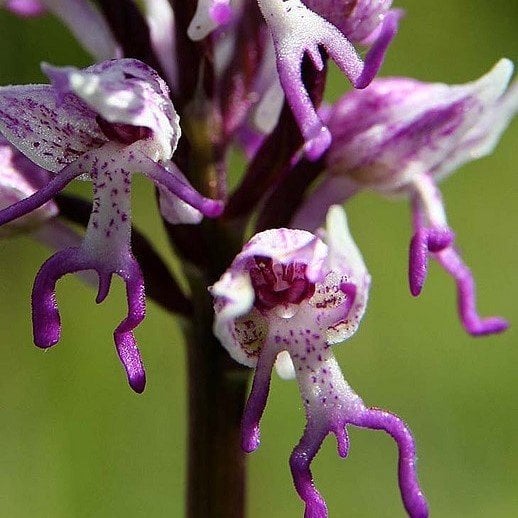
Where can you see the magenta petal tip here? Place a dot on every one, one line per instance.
(137, 381)
(250, 440)
(488, 326)
(315, 146)
(213, 208)
(47, 333)
(221, 13)
(131, 360)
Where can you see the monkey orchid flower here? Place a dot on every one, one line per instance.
(400, 137)
(288, 297)
(298, 30)
(104, 124)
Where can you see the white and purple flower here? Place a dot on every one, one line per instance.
(400, 137)
(304, 28)
(287, 298)
(104, 124)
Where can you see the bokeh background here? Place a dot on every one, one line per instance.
(76, 442)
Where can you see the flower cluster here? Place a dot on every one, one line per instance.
(175, 87)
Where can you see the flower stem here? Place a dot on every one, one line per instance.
(217, 390)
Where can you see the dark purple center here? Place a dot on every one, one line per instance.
(279, 284)
(123, 133)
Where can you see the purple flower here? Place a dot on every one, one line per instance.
(103, 124)
(286, 298)
(298, 31)
(399, 137)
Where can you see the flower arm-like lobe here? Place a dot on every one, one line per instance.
(169, 177)
(209, 15)
(250, 431)
(297, 31)
(290, 292)
(44, 195)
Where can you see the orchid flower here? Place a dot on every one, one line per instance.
(400, 137)
(288, 297)
(82, 18)
(103, 124)
(297, 30)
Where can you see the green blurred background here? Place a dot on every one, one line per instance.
(76, 442)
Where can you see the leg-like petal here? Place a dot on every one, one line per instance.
(451, 261)
(376, 55)
(250, 434)
(377, 419)
(425, 240)
(431, 230)
(300, 462)
(123, 335)
(45, 313)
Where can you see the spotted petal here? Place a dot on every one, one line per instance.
(51, 133)
(124, 91)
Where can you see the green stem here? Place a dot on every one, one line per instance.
(217, 391)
